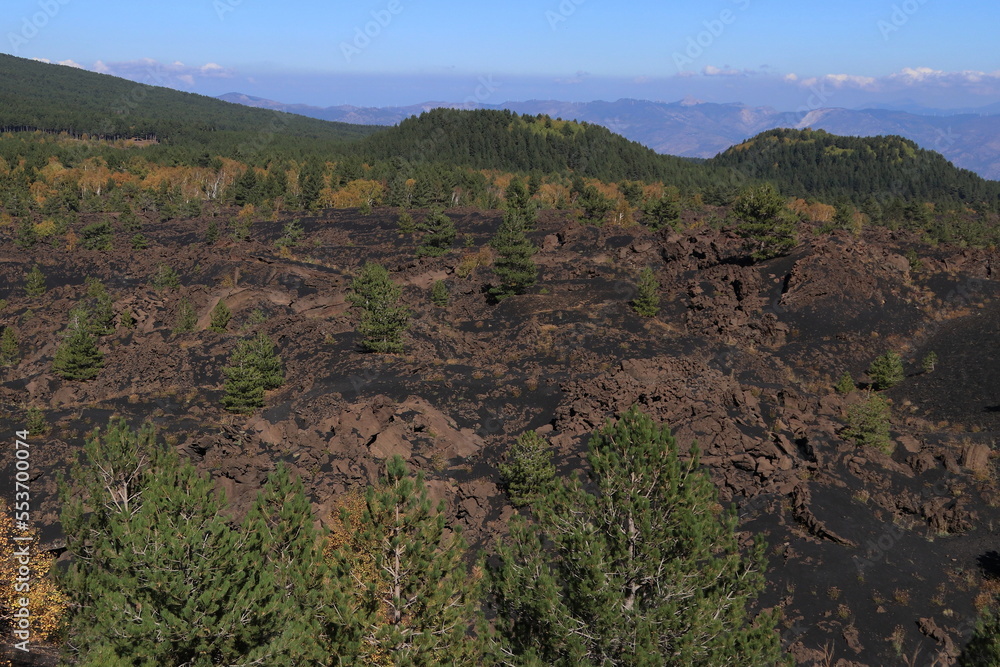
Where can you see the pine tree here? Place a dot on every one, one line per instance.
(660, 213)
(10, 352)
(528, 471)
(220, 316)
(845, 384)
(519, 200)
(158, 576)
(868, 424)
(764, 220)
(266, 361)
(439, 234)
(439, 293)
(634, 567)
(101, 307)
(27, 237)
(886, 371)
(423, 600)
(383, 320)
(186, 317)
(405, 223)
(983, 650)
(77, 357)
(647, 300)
(595, 205)
(34, 282)
(513, 266)
(212, 232)
(253, 369)
(307, 608)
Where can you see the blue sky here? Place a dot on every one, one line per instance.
(787, 54)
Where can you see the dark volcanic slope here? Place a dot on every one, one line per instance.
(873, 558)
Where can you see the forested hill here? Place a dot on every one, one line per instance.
(491, 139)
(39, 96)
(808, 163)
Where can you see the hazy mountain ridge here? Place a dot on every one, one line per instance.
(702, 129)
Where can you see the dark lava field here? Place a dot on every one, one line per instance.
(873, 559)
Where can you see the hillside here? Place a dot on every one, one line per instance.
(807, 163)
(54, 98)
(691, 128)
(487, 139)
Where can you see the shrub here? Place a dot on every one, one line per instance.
(929, 362)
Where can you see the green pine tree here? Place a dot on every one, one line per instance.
(77, 357)
(266, 360)
(513, 266)
(528, 471)
(10, 352)
(439, 293)
(165, 278)
(212, 232)
(439, 234)
(868, 424)
(34, 282)
(307, 607)
(661, 213)
(633, 567)
(26, 237)
(518, 199)
(220, 316)
(886, 371)
(101, 307)
(405, 223)
(647, 300)
(983, 650)
(845, 385)
(765, 221)
(157, 574)
(186, 317)
(383, 320)
(424, 601)
(253, 369)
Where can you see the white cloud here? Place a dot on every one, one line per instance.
(153, 72)
(71, 63)
(723, 71)
(841, 81)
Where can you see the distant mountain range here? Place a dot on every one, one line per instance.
(690, 128)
